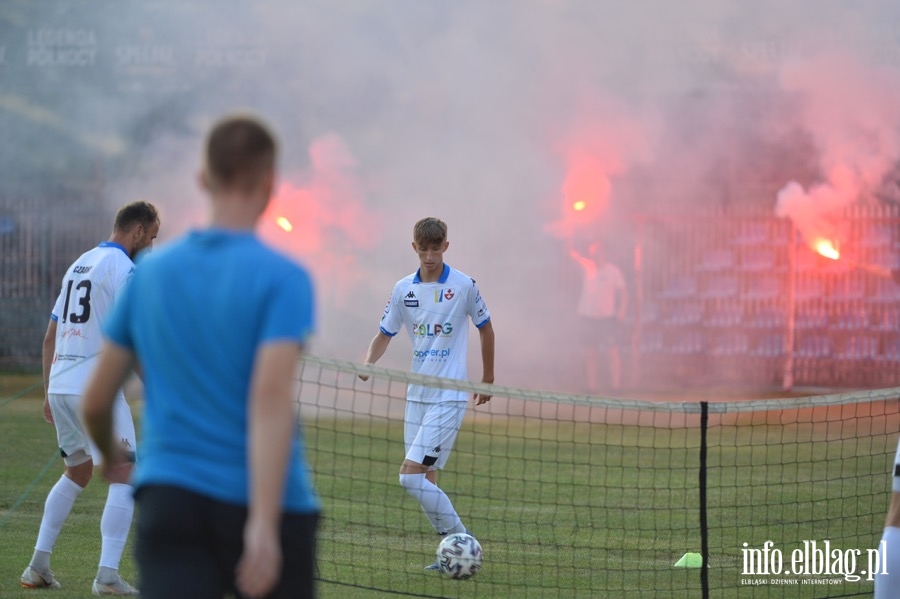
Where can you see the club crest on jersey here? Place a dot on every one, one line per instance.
(411, 301)
(443, 294)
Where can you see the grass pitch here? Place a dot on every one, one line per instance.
(563, 508)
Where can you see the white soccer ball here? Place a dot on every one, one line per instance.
(460, 556)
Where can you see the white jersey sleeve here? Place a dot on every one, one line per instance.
(478, 310)
(392, 319)
(58, 306)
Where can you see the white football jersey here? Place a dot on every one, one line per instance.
(88, 290)
(435, 315)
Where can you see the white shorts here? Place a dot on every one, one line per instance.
(430, 431)
(75, 444)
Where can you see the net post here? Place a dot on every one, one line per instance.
(704, 524)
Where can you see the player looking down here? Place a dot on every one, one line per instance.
(433, 305)
(71, 344)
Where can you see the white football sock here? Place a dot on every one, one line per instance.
(434, 502)
(887, 586)
(114, 526)
(56, 509)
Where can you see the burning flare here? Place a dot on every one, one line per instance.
(284, 223)
(827, 249)
(579, 206)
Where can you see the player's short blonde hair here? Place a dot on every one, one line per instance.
(430, 231)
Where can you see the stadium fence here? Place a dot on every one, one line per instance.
(724, 296)
(738, 296)
(40, 236)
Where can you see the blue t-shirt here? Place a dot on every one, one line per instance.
(195, 313)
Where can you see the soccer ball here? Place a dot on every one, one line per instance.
(459, 555)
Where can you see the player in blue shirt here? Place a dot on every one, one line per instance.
(218, 323)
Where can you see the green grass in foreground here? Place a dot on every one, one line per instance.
(29, 467)
(563, 509)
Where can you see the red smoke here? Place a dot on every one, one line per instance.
(604, 138)
(584, 194)
(322, 220)
(851, 111)
(586, 187)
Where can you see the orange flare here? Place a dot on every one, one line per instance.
(284, 223)
(827, 249)
(579, 206)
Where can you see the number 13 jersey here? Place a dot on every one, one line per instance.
(89, 289)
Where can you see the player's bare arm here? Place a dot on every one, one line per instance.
(486, 336)
(271, 428)
(113, 367)
(48, 350)
(583, 261)
(878, 271)
(376, 349)
(874, 269)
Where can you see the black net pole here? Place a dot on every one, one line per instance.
(704, 525)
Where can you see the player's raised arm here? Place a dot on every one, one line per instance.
(875, 269)
(583, 261)
(881, 271)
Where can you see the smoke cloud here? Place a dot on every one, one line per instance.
(852, 114)
(498, 117)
